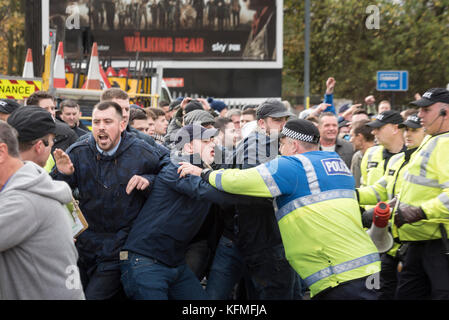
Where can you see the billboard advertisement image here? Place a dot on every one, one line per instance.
(175, 30)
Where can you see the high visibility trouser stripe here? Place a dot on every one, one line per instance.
(314, 198)
(312, 179)
(269, 181)
(342, 267)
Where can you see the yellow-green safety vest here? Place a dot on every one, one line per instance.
(372, 165)
(385, 189)
(426, 185)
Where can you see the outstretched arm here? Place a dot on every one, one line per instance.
(256, 182)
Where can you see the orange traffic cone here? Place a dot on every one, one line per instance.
(59, 68)
(93, 75)
(28, 71)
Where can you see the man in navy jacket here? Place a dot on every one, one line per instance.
(153, 258)
(112, 171)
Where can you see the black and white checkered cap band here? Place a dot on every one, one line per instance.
(299, 136)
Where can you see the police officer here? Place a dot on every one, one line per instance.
(390, 140)
(384, 190)
(316, 209)
(423, 205)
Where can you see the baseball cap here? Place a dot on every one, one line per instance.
(344, 107)
(432, 96)
(193, 131)
(202, 116)
(8, 106)
(272, 108)
(413, 121)
(343, 123)
(32, 122)
(300, 129)
(389, 116)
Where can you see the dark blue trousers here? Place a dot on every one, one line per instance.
(352, 290)
(425, 272)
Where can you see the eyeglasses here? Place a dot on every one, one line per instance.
(45, 142)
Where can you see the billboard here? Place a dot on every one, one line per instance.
(183, 33)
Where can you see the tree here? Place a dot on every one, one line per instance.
(412, 35)
(12, 28)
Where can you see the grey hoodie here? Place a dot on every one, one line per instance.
(37, 252)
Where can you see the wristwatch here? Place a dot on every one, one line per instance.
(205, 174)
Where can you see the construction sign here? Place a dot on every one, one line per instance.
(134, 85)
(18, 89)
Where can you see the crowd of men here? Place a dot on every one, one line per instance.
(196, 200)
(165, 14)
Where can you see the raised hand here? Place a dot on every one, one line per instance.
(63, 162)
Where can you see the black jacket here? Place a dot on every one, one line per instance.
(173, 214)
(255, 226)
(64, 136)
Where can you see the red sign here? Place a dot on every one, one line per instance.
(174, 82)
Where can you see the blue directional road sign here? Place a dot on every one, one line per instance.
(392, 80)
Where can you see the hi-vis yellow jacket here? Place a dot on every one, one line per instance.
(372, 165)
(426, 185)
(387, 187)
(49, 164)
(317, 212)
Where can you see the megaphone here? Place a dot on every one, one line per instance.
(379, 229)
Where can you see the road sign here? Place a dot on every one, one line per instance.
(18, 89)
(392, 80)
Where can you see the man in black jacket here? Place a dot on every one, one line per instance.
(252, 242)
(113, 171)
(153, 259)
(70, 114)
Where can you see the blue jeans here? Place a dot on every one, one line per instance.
(226, 270)
(269, 274)
(102, 281)
(197, 258)
(144, 278)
